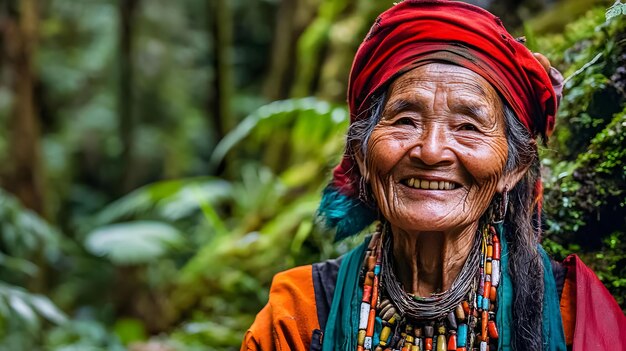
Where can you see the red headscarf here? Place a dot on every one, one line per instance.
(417, 32)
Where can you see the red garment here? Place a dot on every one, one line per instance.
(417, 32)
(592, 320)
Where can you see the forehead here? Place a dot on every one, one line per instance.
(459, 80)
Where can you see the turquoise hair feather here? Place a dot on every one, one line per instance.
(346, 215)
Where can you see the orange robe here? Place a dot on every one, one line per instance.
(289, 318)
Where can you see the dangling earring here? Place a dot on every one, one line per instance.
(366, 196)
(363, 195)
(502, 207)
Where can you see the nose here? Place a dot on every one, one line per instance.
(432, 146)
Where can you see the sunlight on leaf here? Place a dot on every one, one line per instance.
(46, 308)
(617, 9)
(133, 242)
(23, 310)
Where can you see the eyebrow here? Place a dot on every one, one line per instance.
(396, 106)
(476, 112)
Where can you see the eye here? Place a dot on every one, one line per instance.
(469, 127)
(403, 121)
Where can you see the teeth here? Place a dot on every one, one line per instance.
(430, 185)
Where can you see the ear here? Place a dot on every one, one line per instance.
(510, 179)
(360, 161)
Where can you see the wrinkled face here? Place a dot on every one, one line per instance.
(437, 156)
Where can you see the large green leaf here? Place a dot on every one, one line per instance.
(168, 199)
(283, 127)
(23, 232)
(133, 242)
(28, 307)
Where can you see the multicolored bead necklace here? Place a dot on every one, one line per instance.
(452, 320)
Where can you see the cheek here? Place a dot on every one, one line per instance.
(383, 153)
(486, 164)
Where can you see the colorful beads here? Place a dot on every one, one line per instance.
(452, 344)
(429, 331)
(428, 344)
(441, 343)
(361, 337)
(493, 293)
(384, 335)
(466, 307)
(496, 247)
(483, 346)
(367, 344)
(495, 272)
(462, 335)
(483, 326)
(364, 315)
(460, 313)
(492, 330)
(367, 314)
(367, 293)
(485, 305)
(451, 320)
(468, 326)
(487, 289)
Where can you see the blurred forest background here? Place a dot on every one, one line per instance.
(161, 160)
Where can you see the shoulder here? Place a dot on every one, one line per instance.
(288, 320)
(324, 282)
(591, 317)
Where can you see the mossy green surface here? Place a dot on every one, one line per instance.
(585, 177)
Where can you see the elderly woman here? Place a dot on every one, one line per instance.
(445, 110)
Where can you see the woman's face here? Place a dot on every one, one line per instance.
(437, 156)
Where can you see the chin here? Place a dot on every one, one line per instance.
(431, 221)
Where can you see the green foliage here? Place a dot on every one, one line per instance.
(271, 224)
(82, 335)
(585, 200)
(610, 264)
(133, 242)
(211, 245)
(28, 307)
(616, 10)
(24, 237)
(24, 234)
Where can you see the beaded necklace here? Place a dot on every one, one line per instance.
(460, 319)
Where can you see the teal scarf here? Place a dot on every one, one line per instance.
(343, 320)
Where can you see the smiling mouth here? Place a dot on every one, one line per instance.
(430, 184)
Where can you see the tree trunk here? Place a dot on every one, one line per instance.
(24, 175)
(280, 75)
(223, 86)
(126, 121)
(293, 18)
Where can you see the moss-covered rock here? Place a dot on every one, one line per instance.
(585, 181)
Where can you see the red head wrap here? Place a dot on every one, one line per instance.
(417, 32)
